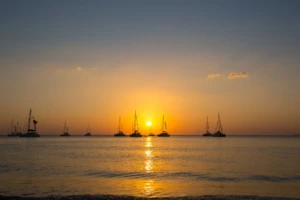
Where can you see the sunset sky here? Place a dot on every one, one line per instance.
(93, 61)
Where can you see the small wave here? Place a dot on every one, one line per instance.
(104, 174)
(273, 178)
(191, 176)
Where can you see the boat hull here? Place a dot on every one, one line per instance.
(65, 135)
(30, 134)
(120, 134)
(207, 134)
(219, 134)
(136, 134)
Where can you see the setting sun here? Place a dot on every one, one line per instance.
(149, 123)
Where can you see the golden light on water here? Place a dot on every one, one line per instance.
(148, 155)
(148, 143)
(148, 185)
(148, 166)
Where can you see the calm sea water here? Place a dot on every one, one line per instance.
(150, 166)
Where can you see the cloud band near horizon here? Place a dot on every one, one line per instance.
(232, 75)
(237, 75)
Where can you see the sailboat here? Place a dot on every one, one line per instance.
(88, 131)
(13, 130)
(120, 132)
(135, 128)
(65, 131)
(30, 132)
(207, 129)
(163, 133)
(219, 128)
(151, 134)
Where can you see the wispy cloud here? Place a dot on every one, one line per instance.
(214, 75)
(78, 68)
(237, 75)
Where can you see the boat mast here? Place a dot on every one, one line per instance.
(65, 126)
(134, 122)
(207, 125)
(119, 124)
(220, 124)
(136, 125)
(29, 120)
(163, 123)
(217, 127)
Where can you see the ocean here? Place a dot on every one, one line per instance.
(150, 166)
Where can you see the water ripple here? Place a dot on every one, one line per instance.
(191, 176)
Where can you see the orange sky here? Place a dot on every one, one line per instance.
(99, 98)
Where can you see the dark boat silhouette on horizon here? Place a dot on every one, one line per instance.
(207, 128)
(219, 128)
(13, 132)
(31, 132)
(120, 132)
(88, 131)
(151, 134)
(163, 133)
(65, 132)
(135, 128)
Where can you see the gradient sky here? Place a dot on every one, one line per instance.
(93, 61)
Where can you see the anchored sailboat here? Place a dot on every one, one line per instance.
(163, 133)
(135, 127)
(13, 130)
(88, 131)
(120, 132)
(219, 128)
(65, 131)
(31, 132)
(207, 129)
(151, 134)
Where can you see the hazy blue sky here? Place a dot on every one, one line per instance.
(91, 61)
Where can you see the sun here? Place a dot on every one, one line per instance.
(149, 123)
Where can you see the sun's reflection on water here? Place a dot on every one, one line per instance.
(148, 185)
(148, 142)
